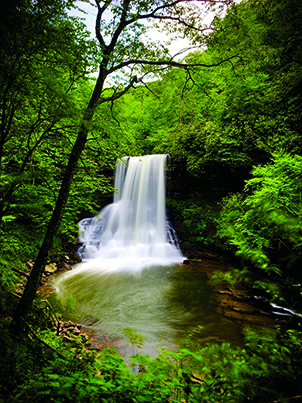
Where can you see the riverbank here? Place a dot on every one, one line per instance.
(237, 304)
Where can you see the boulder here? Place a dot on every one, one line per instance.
(50, 269)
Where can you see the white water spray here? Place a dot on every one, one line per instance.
(133, 231)
(129, 278)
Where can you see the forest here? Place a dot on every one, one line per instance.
(228, 111)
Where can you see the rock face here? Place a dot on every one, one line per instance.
(238, 305)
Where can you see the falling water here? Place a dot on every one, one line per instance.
(133, 231)
(130, 275)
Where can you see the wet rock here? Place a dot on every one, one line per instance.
(68, 328)
(84, 338)
(75, 258)
(50, 269)
(29, 264)
(68, 338)
(238, 305)
(186, 261)
(71, 253)
(47, 289)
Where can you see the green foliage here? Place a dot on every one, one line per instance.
(263, 225)
(222, 121)
(215, 124)
(198, 217)
(44, 57)
(225, 373)
(270, 360)
(231, 277)
(134, 338)
(64, 309)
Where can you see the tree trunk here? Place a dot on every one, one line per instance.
(29, 293)
(33, 282)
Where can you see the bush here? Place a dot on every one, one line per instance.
(263, 224)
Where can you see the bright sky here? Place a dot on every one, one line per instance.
(90, 17)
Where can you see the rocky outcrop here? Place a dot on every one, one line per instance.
(241, 307)
(240, 303)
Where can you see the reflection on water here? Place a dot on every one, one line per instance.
(163, 304)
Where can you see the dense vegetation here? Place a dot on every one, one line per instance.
(233, 131)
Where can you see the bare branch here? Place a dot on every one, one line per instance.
(101, 11)
(168, 5)
(122, 24)
(149, 89)
(190, 77)
(112, 115)
(170, 63)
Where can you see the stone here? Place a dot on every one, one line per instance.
(29, 264)
(236, 304)
(50, 268)
(66, 268)
(75, 258)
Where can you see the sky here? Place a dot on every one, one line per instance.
(154, 34)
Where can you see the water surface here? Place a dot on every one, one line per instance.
(163, 304)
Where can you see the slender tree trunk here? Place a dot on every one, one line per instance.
(34, 279)
(53, 225)
(33, 282)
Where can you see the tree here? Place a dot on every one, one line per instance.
(245, 110)
(124, 57)
(42, 55)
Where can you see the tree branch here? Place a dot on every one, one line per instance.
(190, 78)
(122, 24)
(170, 62)
(168, 5)
(117, 95)
(101, 11)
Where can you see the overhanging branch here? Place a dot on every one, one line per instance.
(168, 5)
(171, 63)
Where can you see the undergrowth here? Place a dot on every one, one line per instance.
(38, 367)
(198, 216)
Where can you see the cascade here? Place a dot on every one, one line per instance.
(129, 276)
(133, 231)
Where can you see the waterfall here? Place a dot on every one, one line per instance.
(133, 231)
